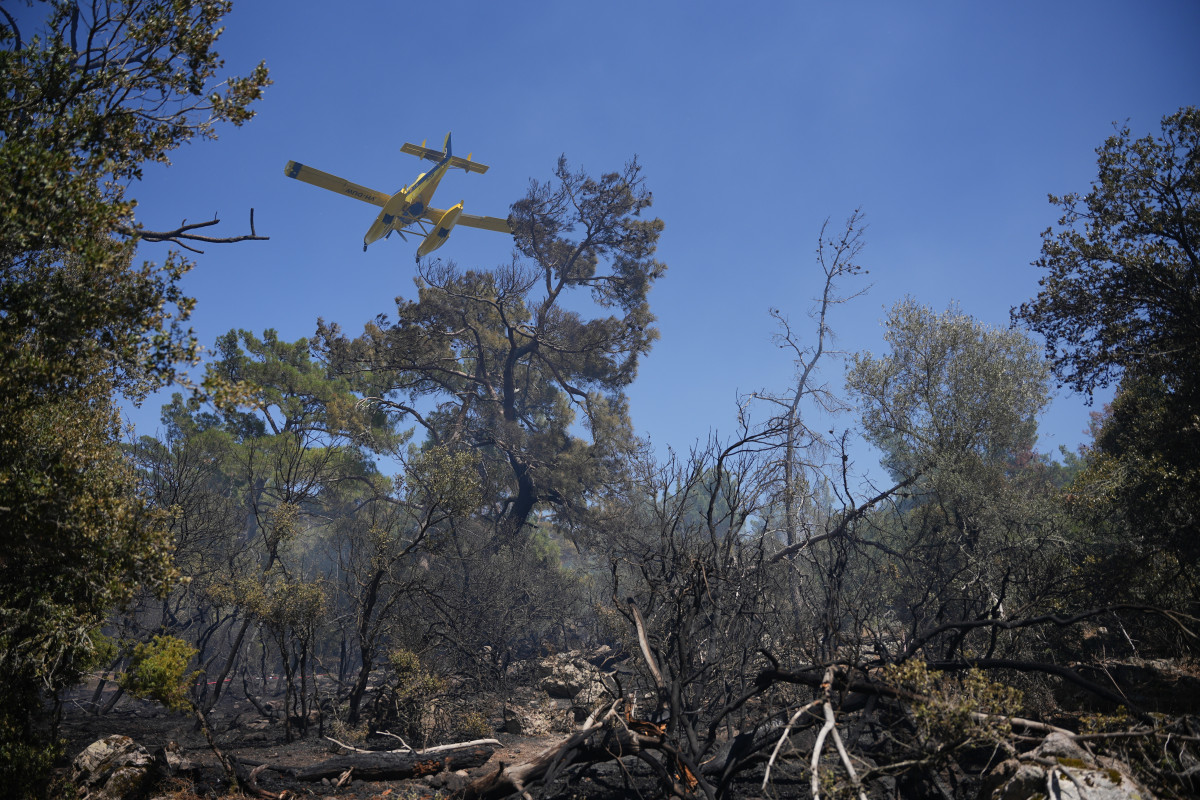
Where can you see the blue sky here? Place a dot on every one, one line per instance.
(947, 122)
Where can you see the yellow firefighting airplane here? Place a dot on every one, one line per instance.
(409, 207)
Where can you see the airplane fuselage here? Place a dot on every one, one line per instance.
(407, 205)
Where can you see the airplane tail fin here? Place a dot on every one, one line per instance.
(446, 147)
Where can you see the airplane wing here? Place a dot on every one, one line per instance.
(487, 223)
(436, 155)
(334, 184)
(470, 220)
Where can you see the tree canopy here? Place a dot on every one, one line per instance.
(496, 361)
(951, 389)
(1121, 290)
(96, 92)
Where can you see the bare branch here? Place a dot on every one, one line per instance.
(184, 234)
(1058, 621)
(647, 653)
(854, 514)
(787, 730)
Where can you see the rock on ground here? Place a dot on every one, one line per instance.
(1060, 769)
(112, 768)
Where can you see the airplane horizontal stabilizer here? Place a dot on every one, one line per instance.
(334, 184)
(437, 155)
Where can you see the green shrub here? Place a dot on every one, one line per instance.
(158, 671)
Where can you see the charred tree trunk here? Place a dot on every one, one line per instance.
(366, 647)
(112, 701)
(99, 693)
(520, 507)
(229, 662)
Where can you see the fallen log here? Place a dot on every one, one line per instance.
(602, 739)
(374, 766)
(508, 779)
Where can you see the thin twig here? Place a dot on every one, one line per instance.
(346, 746)
(406, 748)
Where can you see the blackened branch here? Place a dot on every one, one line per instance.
(185, 233)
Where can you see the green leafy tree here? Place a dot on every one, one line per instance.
(89, 96)
(77, 539)
(501, 362)
(158, 670)
(290, 611)
(1120, 301)
(951, 390)
(301, 437)
(96, 92)
(1138, 495)
(953, 407)
(1121, 290)
(184, 475)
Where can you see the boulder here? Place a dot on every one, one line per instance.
(113, 768)
(1059, 746)
(563, 677)
(570, 676)
(526, 721)
(1061, 770)
(1012, 780)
